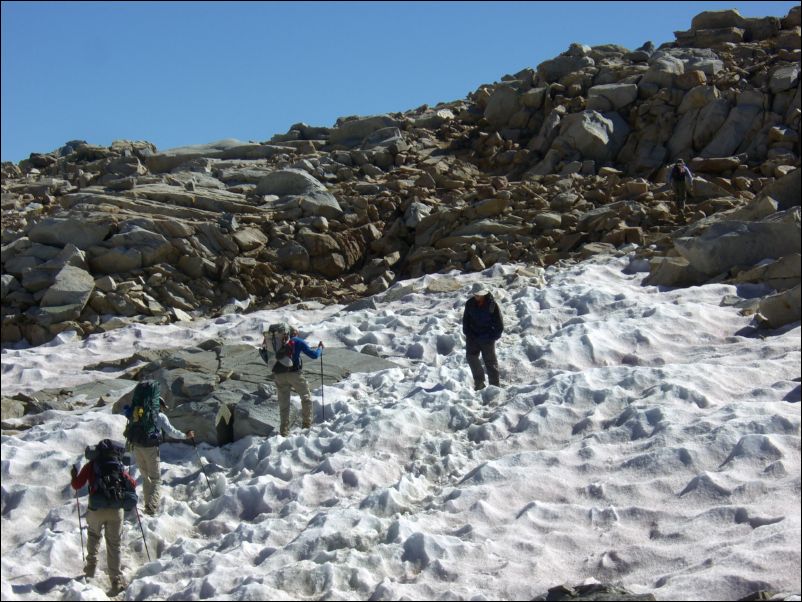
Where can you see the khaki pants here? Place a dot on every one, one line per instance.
(147, 458)
(110, 519)
(286, 382)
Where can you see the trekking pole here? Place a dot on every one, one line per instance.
(322, 396)
(139, 520)
(80, 526)
(203, 468)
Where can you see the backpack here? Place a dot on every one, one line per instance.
(277, 338)
(111, 488)
(142, 414)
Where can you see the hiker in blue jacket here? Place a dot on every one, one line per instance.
(482, 326)
(287, 372)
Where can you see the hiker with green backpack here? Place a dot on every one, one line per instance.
(111, 490)
(147, 427)
(287, 347)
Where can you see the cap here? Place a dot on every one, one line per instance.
(479, 288)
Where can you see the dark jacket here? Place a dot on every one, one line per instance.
(482, 322)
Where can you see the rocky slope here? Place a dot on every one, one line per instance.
(554, 163)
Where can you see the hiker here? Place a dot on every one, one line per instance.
(680, 179)
(111, 490)
(287, 374)
(482, 326)
(155, 428)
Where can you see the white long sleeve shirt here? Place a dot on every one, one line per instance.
(163, 423)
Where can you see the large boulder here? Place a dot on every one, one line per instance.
(673, 272)
(780, 275)
(72, 286)
(611, 97)
(153, 248)
(501, 106)
(293, 256)
(728, 244)
(739, 122)
(115, 261)
(286, 182)
(352, 132)
(784, 78)
(716, 19)
(594, 135)
(663, 69)
(778, 310)
(555, 69)
(787, 190)
(297, 186)
(57, 231)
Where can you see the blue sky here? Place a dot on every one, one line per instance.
(179, 73)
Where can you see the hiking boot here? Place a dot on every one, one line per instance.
(495, 383)
(89, 570)
(150, 510)
(307, 424)
(478, 386)
(117, 585)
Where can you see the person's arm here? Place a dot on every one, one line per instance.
(302, 346)
(81, 478)
(499, 321)
(465, 319)
(168, 429)
(130, 479)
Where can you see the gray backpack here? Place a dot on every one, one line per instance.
(277, 338)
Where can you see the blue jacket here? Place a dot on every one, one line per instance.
(482, 322)
(298, 345)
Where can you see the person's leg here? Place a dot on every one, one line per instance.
(147, 458)
(491, 362)
(113, 524)
(94, 527)
(472, 350)
(680, 195)
(141, 459)
(301, 387)
(283, 390)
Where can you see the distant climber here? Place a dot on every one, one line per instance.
(680, 179)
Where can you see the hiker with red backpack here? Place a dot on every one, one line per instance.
(680, 179)
(111, 490)
(147, 427)
(287, 346)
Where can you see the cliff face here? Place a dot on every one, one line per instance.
(554, 163)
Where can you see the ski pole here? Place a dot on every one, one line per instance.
(80, 526)
(203, 468)
(139, 520)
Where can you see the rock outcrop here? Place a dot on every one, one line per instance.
(553, 163)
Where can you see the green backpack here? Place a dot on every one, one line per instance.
(142, 414)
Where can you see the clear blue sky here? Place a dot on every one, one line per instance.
(179, 73)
